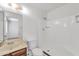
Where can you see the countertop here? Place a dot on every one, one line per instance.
(11, 46)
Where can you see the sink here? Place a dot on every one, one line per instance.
(9, 45)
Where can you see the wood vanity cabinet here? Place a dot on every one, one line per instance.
(21, 52)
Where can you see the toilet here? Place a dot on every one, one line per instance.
(37, 52)
(33, 50)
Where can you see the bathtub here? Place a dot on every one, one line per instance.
(57, 51)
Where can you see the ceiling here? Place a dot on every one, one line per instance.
(43, 7)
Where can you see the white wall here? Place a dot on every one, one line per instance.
(63, 32)
(31, 27)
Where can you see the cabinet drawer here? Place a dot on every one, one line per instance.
(19, 52)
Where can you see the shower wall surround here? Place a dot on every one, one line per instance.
(62, 36)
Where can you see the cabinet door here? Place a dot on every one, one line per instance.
(21, 52)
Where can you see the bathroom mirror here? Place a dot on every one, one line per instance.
(1, 26)
(13, 26)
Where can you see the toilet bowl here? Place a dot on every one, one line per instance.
(37, 52)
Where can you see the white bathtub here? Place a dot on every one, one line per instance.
(58, 51)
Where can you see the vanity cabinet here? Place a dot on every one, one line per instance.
(21, 52)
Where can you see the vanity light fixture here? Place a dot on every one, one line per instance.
(19, 8)
(16, 7)
(13, 6)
